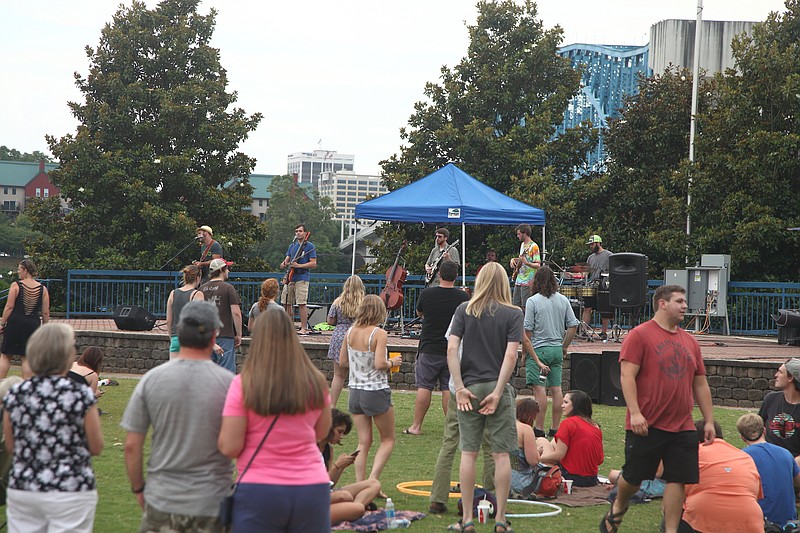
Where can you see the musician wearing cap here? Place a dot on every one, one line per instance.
(524, 266)
(598, 263)
(441, 252)
(301, 257)
(209, 250)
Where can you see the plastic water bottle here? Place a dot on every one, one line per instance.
(390, 521)
(402, 523)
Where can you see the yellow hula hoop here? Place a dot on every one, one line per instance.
(409, 487)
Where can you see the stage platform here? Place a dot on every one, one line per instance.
(714, 347)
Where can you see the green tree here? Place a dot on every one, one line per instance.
(12, 154)
(14, 232)
(639, 203)
(156, 144)
(745, 190)
(494, 115)
(291, 205)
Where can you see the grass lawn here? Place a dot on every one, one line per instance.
(413, 459)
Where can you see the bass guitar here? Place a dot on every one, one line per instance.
(435, 266)
(392, 293)
(287, 278)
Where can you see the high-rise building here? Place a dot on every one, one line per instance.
(309, 165)
(346, 189)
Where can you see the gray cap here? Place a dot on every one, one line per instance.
(793, 368)
(201, 316)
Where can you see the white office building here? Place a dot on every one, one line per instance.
(309, 165)
(346, 189)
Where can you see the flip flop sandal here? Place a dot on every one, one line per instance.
(469, 527)
(505, 527)
(614, 520)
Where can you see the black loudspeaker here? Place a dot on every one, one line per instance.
(610, 384)
(133, 318)
(627, 280)
(584, 374)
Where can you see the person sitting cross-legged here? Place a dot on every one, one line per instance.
(578, 445)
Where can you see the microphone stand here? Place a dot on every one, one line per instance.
(194, 241)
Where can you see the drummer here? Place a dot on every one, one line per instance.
(598, 264)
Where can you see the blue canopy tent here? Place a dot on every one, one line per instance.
(449, 196)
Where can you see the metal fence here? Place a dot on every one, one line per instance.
(97, 292)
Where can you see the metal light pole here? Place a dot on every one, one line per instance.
(698, 32)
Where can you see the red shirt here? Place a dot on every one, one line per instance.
(584, 446)
(668, 362)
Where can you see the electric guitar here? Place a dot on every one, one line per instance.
(435, 265)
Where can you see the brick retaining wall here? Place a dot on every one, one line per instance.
(732, 383)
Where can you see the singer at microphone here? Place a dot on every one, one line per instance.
(209, 250)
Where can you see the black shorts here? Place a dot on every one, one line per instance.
(677, 450)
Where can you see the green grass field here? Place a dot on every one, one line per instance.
(413, 460)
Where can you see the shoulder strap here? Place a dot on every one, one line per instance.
(257, 450)
(369, 343)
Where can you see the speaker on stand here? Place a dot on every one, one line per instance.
(585, 373)
(133, 318)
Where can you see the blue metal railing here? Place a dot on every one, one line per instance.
(97, 292)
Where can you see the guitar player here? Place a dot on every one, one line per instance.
(296, 291)
(440, 253)
(525, 266)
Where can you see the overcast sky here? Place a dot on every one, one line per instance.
(337, 75)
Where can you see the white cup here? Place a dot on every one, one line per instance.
(484, 510)
(567, 484)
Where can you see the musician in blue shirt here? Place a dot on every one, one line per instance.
(300, 258)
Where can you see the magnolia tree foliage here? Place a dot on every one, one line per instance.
(744, 185)
(156, 144)
(494, 115)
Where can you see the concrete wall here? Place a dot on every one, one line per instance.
(672, 42)
(732, 383)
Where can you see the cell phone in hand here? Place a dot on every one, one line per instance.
(355, 453)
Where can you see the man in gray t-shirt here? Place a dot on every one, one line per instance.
(550, 323)
(598, 261)
(187, 476)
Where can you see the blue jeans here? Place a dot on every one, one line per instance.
(261, 508)
(228, 358)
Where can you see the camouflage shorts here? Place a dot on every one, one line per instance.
(154, 521)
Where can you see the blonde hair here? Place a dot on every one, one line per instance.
(278, 376)
(750, 427)
(352, 295)
(372, 311)
(51, 349)
(491, 289)
(269, 290)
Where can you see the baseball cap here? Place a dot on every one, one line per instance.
(217, 264)
(200, 315)
(793, 368)
(207, 229)
(594, 238)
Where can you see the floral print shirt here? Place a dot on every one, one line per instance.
(51, 453)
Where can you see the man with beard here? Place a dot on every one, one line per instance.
(598, 262)
(780, 409)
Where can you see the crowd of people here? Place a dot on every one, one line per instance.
(277, 418)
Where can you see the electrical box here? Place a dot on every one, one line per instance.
(707, 291)
(718, 261)
(676, 277)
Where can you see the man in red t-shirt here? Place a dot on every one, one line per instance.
(662, 375)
